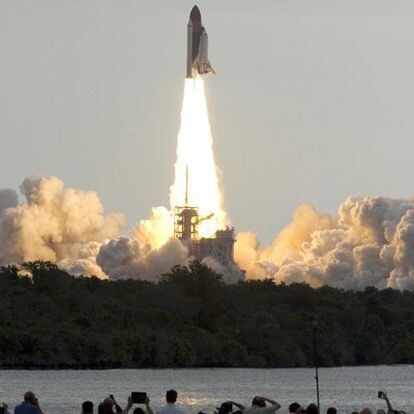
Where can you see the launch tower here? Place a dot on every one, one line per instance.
(220, 247)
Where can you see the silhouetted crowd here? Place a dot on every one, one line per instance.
(259, 405)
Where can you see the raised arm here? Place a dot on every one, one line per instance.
(241, 407)
(147, 406)
(128, 406)
(389, 406)
(273, 402)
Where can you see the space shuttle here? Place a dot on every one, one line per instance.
(197, 46)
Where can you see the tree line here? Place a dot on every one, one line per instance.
(191, 318)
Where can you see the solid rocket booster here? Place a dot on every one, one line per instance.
(197, 46)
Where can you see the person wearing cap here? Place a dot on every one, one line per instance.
(259, 406)
(30, 405)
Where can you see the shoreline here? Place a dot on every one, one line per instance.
(34, 368)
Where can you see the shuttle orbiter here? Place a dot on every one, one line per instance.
(197, 46)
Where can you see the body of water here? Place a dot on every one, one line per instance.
(347, 389)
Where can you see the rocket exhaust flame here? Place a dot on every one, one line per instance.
(195, 155)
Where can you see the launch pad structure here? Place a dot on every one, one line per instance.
(220, 247)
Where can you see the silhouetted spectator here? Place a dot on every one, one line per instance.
(295, 408)
(87, 407)
(312, 409)
(331, 410)
(138, 410)
(4, 409)
(259, 406)
(390, 408)
(30, 405)
(107, 407)
(171, 407)
(227, 408)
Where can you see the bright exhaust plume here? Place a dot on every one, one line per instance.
(195, 152)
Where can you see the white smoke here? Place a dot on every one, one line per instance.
(53, 223)
(369, 243)
(125, 258)
(156, 230)
(68, 227)
(85, 261)
(230, 272)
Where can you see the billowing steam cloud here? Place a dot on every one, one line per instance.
(369, 243)
(125, 258)
(54, 222)
(69, 227)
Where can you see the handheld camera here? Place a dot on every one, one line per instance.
(139, 397)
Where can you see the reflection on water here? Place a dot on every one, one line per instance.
(195, 401)
(205, 389)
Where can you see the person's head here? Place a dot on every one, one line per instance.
(138, 410)
(294, 407)
(30, 397)
(225, 408)
(331, 410)
(366, 411)
(259, 401)
(106, 406)
(87, 407)
(171, 396)
(312, 409)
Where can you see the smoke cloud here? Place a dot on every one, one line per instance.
(369, 243)
(53, 223)
(125, 258)
(156, 230)
(69, 227)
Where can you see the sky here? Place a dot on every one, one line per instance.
(313, 100)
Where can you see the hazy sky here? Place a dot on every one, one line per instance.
(313, 100)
